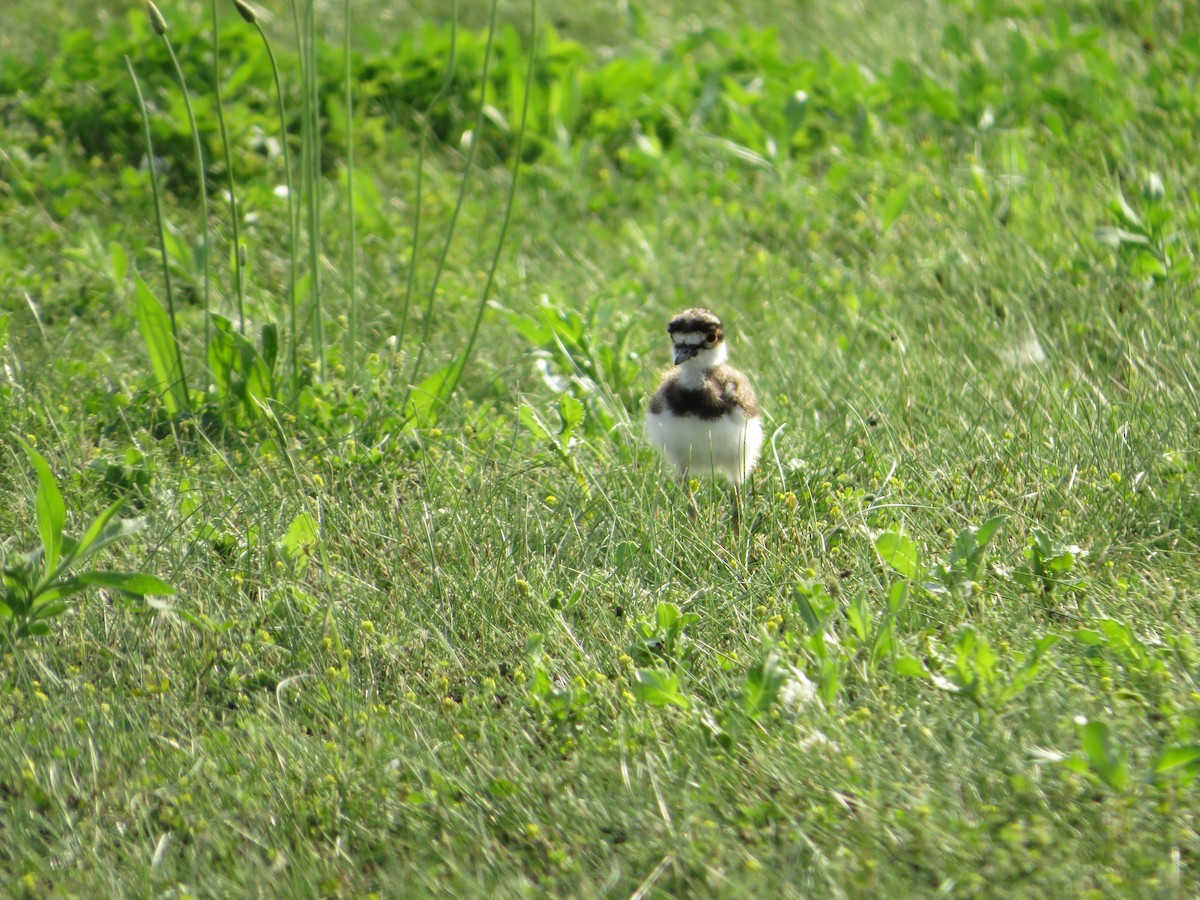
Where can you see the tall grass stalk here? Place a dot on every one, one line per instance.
(476, 136)
(160, 27)
(233, 210)
(162, 237)
(421, 145)
(250, 15)
(456, 373)
(352, 337)
(310, 162)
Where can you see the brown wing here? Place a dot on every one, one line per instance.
(735, 387)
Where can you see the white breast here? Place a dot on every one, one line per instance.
(726, 446)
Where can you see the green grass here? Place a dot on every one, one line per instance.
(486, 650)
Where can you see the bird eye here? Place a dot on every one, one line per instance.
(712, 336)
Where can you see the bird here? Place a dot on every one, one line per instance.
(704, 417)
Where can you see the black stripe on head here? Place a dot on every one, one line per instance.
(697, 321)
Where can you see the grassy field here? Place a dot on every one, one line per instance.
(436, 638)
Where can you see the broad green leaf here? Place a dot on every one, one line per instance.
(988, 530)
(534, 646)
(965, 545)
(529, 418)
(51, 512)
(736, 151)
(534, 332)
(794, 114)
(59, 590)
(155, 326)
(424, 405)
(1028, 672)
(109, 533)
(1186, 757)
(814, 605)
(884, 642)
(1113, 236)
(92, 534)
(985, 660)
(808, 614)
(666, 615)
(301, 538)
(859, 616)
(1094, 739)
(1126, 213)
(178, 250)
(659, 688)
(194, 620)
(896, 203)
(763, 681)
(49, 610)
(625, 553)
(940, 100)
(1102, 756)
(1045, 642)
(540, 686)
(1147, 263)
(241, 373)
(829, 676)
(909, 665)
(137, 583)
(270, 346)
(118, 265)
(900, 552)
(1061, 563)
(571, 411)
(897, 597)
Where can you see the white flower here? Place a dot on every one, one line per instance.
(815, 738)
(797, 692)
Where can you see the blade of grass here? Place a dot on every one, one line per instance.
(162, 243)
(458, 205)
(310, 162)
(238, 278)
(421, 144)
(456, 373)
(352, 337)
(160, 27)
(248, 13)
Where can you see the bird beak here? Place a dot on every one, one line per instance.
(685, 352)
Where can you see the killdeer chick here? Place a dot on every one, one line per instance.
(704, 416)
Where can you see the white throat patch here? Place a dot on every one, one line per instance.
(691, 371)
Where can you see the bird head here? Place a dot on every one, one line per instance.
(698, 338)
